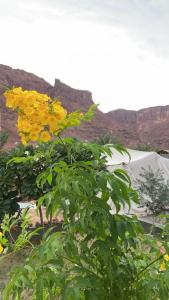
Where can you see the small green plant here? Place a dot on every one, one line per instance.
(107, 139)
(153, 190)
(3, 138)
(145, 147)
(15, 233)
(11, 181)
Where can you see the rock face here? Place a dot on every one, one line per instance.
(146, 126)
(150, 125)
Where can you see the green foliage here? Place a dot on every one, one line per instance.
(20, 167)
(3, 138)
(153, 190)
(97, 255)
(10, 181)
(145, 147)
(107, 139)
(16, 233)
(84, 258)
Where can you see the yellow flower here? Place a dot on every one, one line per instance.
(23, 125)
(52, 123)
(53, 128)
(1, 249)
(38, 114)
(16, 91)
(166, 257)
(1, 234)
(36, 118)
(43, 119)
(44, 107)
(45, 136)
(28, 110)
(58, 109)
(36, 128)
(51, 119)
(162, 266)
(23, 139)
(34, 136)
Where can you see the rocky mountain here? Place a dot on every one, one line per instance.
(150, 125)
(146, 126)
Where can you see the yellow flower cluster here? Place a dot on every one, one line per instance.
(166, 257)
(162, 267)
(1, 247)
(39, 116)
(163, 264)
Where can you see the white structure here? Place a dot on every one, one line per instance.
(133, 166)
(138, 160)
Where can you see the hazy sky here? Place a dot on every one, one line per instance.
(117, 49)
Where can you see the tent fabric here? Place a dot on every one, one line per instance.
(118, 158)
(134, 167)
(138, 161)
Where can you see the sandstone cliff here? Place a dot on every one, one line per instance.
(146, 126)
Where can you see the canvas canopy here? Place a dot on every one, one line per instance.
(138, 160)
(134, 165)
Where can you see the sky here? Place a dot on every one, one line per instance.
(117, 49)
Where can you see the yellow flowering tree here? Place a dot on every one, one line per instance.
(98, 255)
(39, 116)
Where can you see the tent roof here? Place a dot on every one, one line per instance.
(138, 161)
(118, 158)
(135, 165)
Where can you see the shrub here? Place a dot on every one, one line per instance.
(20, 167)
(107, 139)
(3, 138)
(153, 190)
(145, 147)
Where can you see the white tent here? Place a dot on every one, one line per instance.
(138, 160)
(134, 165)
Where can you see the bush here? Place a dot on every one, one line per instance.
(153, 190)
(3, 138)
(20, 167)
(107, 139)
(145, 147)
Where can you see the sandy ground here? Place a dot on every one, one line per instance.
(34, 214)
(35, 218)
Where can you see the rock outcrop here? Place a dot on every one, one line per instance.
(146, 126)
